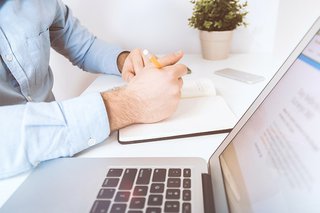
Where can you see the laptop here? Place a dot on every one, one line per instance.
(268, 163)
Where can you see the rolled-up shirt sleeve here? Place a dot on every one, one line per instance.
(43, 131)
(83, 49)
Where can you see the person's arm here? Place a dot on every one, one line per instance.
(83, 49)
(36, 132)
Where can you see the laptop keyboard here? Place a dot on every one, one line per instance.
(149, 190)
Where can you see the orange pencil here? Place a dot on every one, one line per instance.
(152, 58)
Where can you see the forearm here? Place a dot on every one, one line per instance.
(82, 48)
(36, 132)
(122, 108)
(102, 57)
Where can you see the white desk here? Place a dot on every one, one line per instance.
(238, 95)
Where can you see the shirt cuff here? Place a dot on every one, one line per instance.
(102, 58)
(87, 121)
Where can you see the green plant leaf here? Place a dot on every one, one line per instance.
(218, 15)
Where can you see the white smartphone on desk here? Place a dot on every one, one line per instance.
(248, 78)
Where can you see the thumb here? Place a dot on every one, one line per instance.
(170, 59)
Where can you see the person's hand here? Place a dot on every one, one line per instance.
(151, 96)
(133, 63)
(136, 61)
(157, 92)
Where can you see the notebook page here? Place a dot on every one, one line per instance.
(197, 88)
(194, 115)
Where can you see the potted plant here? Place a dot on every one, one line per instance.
(216, 20)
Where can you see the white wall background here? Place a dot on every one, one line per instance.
(162, 26)
(295, 19)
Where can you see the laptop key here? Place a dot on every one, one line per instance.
(122, 196)
(186, 172)
(140, 190)
(106, 193)
(135, 211)
(172, 206)
(137, 203)
(186, 195)
(153, 210)
(144, 176)
(186, 183)
(114, 172)
(174, 182)
(173, 194)
(174, 172)
(186, 208)
(128, 179)
(159, 175)
(155, 200)
(110, 182)
(118, 208)
(100, 206)
(157, 188)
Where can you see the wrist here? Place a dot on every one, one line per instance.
(121, 108)
(121, 59)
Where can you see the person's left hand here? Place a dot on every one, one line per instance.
(133, 63)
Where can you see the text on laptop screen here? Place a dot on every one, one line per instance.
(272, 165)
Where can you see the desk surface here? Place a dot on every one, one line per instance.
(238, 95)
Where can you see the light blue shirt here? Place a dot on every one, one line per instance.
(33, 126)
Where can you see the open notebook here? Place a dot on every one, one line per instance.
(200, 112)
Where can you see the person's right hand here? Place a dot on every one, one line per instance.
(157, 92)
(151, 96)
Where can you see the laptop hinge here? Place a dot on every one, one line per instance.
(207, 194)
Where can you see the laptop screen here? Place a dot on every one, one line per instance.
(273, 163)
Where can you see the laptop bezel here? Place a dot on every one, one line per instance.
(220, 199)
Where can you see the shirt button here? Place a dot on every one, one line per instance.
(92, 142)
(9, 57)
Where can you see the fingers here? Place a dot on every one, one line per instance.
(170, 59)
(177, 70)
(133, 64)
(128, 76)
(137, 60)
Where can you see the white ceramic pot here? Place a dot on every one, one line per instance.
(215, 45)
